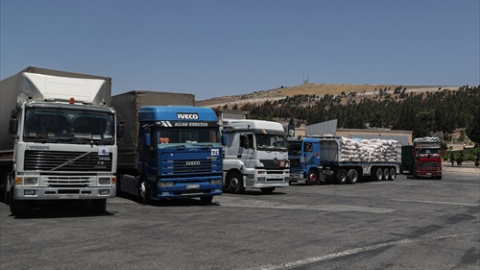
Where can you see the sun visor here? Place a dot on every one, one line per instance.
(53, 88)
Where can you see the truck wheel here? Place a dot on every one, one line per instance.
(352, 176)
(312, 178)
(386, 174)
(206, 200)
(267, 190)
(98, 206)
(378, 174)
(144, 191)
(235, 182)
(393, 174)
(341, 176)
(18, 207)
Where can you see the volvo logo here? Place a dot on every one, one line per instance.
(39, 147)
(275, 161)
(193, 163)
(191, 116)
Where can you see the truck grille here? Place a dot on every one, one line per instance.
(429, 164)
(294, 163)
(66, 161)
(192, 166)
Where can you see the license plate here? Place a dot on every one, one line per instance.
(193, 186)
(69, 196)
(429, 174)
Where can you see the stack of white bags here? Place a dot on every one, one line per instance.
(369, 150)
(427, 140)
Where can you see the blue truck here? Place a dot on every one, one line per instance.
(167, 152)
(342, 160)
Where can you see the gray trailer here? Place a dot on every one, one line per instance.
(57, 140)
(128, 106)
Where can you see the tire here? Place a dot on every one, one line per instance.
(206, 200)
(19, 207)
(99, 206)
(267, 190)
(144, 191)
(341, 176)
(386, 174)
(235, 183)
(393, 174)
(378, 174)
(312, 178)
(352, 176)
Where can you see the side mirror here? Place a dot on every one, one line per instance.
(224, 139)
(13, 127)
(120, 130)
(146, 140)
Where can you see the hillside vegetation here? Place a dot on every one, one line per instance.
(421, 109)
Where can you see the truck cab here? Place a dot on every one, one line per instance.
(255, 156)
(304, 156)
(178, 154)
(427, 157)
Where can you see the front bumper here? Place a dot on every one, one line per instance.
(259, 178)
(46, 193)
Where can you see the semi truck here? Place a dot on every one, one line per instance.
(342, 160)
(255, 156)
(427, 157)
(169, 148)
(58, 139)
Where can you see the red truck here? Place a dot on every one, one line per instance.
(427, 157)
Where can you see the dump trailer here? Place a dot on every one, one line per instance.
(60, 143)
(427, 157)
(168, 152)
(345, 160)
(255, 156)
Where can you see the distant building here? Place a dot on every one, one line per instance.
(225, 114)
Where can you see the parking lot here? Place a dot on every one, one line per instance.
(401, 224)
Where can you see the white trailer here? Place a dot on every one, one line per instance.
(346, 161)
(256, 156)
(60, 143)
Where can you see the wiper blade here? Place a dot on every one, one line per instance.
(180, 146)
(80, 141)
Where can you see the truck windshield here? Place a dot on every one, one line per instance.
(68, 125)
(271, 142)
(429, 151)
(187, 135)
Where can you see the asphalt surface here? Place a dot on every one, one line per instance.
(404, 224)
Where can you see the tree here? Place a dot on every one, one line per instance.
(473, 129)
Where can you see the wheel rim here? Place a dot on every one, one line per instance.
(143, 190)
(312, 178)
(234, 182)
(379, 174)
(386, 174)
(393, 174)
(342, 177)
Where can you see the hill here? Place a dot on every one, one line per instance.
(316, 89)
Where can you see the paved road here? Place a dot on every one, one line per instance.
(404, 224)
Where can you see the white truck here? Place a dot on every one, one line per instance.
(347, 160)
(256, 156)
(58, 139)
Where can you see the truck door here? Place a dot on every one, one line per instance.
(307, 152)
(246, 150)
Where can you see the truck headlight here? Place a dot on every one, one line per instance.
(165, 184)
(30, 181)
(104, 180)
(216, 182)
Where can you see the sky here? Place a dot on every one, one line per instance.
(214, 48)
